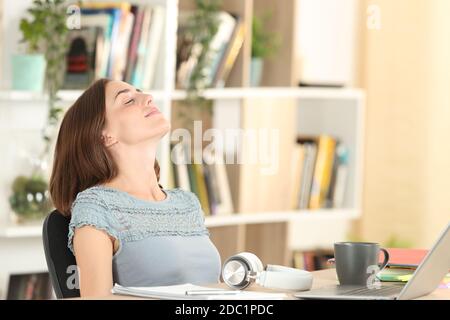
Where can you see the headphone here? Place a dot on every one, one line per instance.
(242, 269)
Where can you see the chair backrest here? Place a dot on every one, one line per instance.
(60, 260)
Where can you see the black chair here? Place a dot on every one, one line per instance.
(60, 260)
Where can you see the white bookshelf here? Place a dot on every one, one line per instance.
(338, 111)
(34, 230)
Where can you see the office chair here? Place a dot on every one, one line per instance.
(61, 262)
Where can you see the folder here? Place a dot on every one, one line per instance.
(179, 292)
(406, 258)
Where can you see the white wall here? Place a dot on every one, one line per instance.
(326, 31)
(406, 78)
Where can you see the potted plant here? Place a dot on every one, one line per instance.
(30, 199)
(45, 34)
(264, 45)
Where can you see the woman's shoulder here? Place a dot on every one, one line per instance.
(89, 193)
(90, 198)
(89, 209)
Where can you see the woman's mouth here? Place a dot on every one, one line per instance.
(152, 111)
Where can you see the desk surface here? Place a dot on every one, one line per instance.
(322, 278)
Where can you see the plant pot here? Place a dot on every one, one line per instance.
(28, 72)
(256, 70)
(30, 199)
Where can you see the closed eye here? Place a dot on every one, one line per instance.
(129, 101)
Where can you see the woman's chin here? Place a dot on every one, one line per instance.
(161, 131)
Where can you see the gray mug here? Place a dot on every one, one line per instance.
(356, 261)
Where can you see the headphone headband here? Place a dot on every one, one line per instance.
(281, 277)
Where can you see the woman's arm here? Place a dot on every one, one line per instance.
(93, 252)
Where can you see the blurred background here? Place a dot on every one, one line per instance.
(356, 92)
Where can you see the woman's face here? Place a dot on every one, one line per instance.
(131, 116)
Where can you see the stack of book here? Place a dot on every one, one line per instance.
(319, 167)
(402, 265)
(208, 180)
(116, 40)
(35, 286)
(220, 55)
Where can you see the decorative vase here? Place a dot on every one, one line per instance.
(256, 70)
(28, 72)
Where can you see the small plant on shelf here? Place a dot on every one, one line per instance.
(264, 45)
(44, 32)
(30, 199)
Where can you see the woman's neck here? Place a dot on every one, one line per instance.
(136, 172)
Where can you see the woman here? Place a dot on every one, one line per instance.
(125, 228)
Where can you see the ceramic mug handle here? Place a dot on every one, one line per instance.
(386, 259)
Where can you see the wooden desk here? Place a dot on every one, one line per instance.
(322, 279)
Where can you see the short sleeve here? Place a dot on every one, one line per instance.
(89, 209)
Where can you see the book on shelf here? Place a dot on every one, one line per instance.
(220, 183)
(319, 166)
(127, 43)
(210, 189)
(153, 43)
(297, 159)
(34, 286)
(139, 13)
(336, 195)
(230, 54)
(201, 187)
(326, 147)
(220, 54)
(208, 180)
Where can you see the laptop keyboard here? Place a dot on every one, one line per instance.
(383, 291)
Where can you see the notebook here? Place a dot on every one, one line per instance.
(178, 292)
(395, 274)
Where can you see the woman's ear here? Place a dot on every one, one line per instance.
(108, 140)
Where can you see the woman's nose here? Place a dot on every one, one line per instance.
(148, 99)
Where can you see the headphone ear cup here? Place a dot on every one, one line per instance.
(235, 271)
(253, 260)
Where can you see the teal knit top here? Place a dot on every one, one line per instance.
(160, 242)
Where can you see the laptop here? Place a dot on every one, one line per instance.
(425, 279)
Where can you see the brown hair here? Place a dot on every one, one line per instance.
(81, 160)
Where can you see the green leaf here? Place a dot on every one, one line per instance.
(264, 43)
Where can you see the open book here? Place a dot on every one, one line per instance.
(189, 291)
